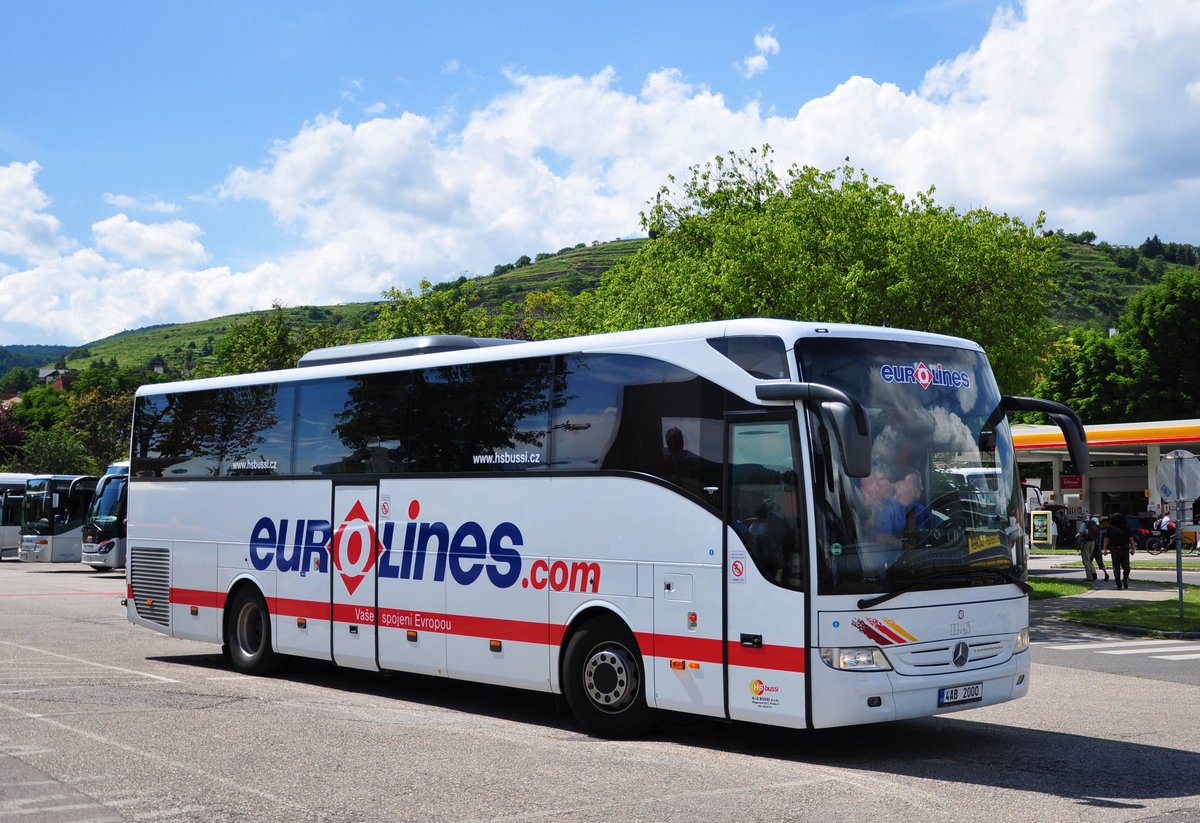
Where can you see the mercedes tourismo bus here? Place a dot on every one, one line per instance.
(52, 517)
(12, 489)
(698, 519)
(104, 526)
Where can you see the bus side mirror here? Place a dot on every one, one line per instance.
(853, 429)
(856, 448)
(1064, 417)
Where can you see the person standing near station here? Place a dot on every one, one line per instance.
(1097, 541)
(1118, 542)
(1086, 538)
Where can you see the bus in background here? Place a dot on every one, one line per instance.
(52, 515)
(749, 519)
(12, 489)
(104, 526)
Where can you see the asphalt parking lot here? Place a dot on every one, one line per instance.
(104, 721)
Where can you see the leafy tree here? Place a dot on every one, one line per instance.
(56, 450)
(1087, 371)
(736, 240)
(101, 408)
(17, 380)
(429, 312)
(269, 341)
(12, 435)
(41, 408)
(1159, 330)
(1152, 248)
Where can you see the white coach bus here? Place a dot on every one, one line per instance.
(696, 519)
(52, 513)
(104, 526)
(12, 490)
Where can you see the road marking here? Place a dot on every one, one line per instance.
(1177, 657)
(66, 594)
(1192, 648)
(141, 752)
(89, 662)
(1115, 644)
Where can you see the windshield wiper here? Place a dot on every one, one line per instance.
(1007, 575)
(971, 576)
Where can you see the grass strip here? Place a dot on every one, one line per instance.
(1153, 615)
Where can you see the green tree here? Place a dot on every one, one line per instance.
(1158, 331)
(41, 408)
(1088, 371)
(100, 410)
(269, 341)
(17, 380)
(736, 240)
(432, 311)
(12, 436)
(56, 450)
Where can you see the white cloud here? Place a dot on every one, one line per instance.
(765, 44)
(1085, 109)
(26, 231)
(150, 204)
(160, 245)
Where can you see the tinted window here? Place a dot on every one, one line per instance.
(637, 414)
(761, 357)
(219, 433)
(481, 417)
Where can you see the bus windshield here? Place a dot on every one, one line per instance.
(107, 506)
(37, 508)
(942, 506)
(49, 507)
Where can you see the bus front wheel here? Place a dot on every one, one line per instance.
(604, 683)
(248, 636)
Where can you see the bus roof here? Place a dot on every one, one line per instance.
(408, 352)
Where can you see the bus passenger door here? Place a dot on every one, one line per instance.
(353, 556)
(765, 567)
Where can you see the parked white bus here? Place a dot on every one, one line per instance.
(697, 519)
(104, 526)
(52, 514)
(12, 489)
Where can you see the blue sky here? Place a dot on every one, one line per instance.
(169, 162)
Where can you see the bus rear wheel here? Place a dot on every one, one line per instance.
(604, 683)
(248, 634)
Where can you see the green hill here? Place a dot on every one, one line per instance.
(29, 357)
(1093, 289)
(574, 269)
(176, 343)
(1094, 282)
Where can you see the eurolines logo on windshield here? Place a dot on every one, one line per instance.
(924, 376)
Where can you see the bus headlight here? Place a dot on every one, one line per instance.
(1022, 641)
(863, 659)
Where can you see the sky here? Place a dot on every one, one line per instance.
(169, 162)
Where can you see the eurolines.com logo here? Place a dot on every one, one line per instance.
(924, 376)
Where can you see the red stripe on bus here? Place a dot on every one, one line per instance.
(287, 607)
(698, 649)
(778, 658)
(196, 597)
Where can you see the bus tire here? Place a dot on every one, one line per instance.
(248, 634)
(604, 681)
